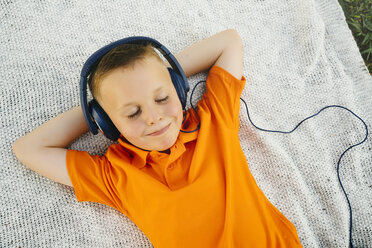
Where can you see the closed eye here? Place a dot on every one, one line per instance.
(163, 100)
(134, 115)
(139, 109)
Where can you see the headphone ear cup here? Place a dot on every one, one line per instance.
(179, 84)
(103, 121)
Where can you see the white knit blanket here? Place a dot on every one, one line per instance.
(299, 56)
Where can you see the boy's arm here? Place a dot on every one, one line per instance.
(43, 149)
(223, 49)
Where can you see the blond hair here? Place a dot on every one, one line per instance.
(123, 56)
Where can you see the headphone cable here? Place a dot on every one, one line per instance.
(287, 132)
(339, 160)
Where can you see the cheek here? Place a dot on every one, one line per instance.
(133, 130)
(174, 109)
(130, 129)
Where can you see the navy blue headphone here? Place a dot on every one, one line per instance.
(94, 114)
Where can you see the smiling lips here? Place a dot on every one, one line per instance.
(161, 131)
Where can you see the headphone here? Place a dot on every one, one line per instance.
(94, 114)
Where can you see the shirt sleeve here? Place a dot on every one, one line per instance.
(222, 97)
(90, 177)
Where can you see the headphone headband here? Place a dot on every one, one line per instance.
(96, 57)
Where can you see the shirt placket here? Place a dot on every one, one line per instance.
(173, 174)
(158, 161)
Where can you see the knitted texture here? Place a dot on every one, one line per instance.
(298, 57)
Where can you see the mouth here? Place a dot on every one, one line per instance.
(161, 131)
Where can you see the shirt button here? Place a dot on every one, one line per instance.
(170, 167)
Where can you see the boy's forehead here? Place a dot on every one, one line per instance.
(129, 103)
(127, 84)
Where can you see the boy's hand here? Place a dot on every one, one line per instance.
(223, 49)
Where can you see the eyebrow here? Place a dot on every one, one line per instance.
(131, 103)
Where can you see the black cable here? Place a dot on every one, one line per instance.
(338, 163)
(287, 132)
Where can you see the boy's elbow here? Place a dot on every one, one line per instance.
(19, 149)
(234, 34)
(237, 40)
(16, 149)
(231, 58)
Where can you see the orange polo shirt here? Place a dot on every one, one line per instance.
(202, 194)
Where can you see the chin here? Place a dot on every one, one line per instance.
(167, 142)
(167, 145)
(160, 143)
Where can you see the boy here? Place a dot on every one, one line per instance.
(182, 189)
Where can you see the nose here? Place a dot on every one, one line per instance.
(152, 116)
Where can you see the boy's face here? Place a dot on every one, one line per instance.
(143, 104)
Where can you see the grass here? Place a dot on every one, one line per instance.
(358, 15)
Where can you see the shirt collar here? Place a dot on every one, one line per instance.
(140, 156)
